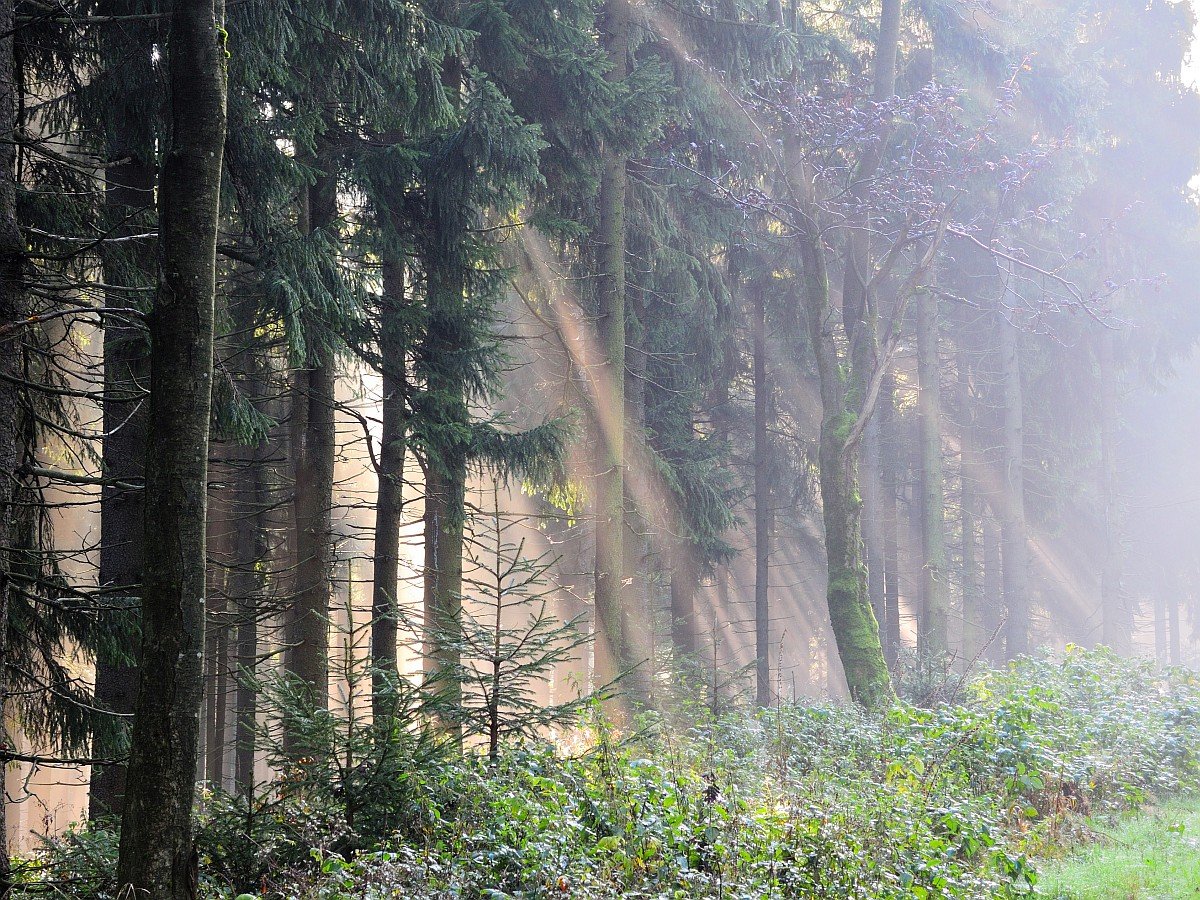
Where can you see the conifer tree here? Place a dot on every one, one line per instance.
(156, 853)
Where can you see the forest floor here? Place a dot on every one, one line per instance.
(1150, 855)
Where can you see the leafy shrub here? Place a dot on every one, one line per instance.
(803, 801)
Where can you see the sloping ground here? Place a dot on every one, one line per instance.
(1149, 856)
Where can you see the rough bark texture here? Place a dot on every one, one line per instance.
(610, 297)
(1115, 616)
(872, 526)
(855, 630)
(445, 491)
(252, 499)
(130, 188)
(156, 851)
(935, 618)
(762, 509)
(1012, 502)
(12, 309)
(314, 448)
(389, 506)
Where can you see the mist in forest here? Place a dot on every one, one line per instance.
(397, 396)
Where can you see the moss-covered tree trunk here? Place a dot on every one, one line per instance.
(855, 631)
(389, 506)
(609, 240)
(935, 617)
(156, 854)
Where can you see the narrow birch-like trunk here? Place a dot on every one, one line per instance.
(389, 505)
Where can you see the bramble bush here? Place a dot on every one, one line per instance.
(801, 801)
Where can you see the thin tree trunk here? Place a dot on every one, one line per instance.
(934, 624)
(1176, 657)
(970, 512)
(13, 306)
(156, 850)
(762, 508)
(1116, 622)
(1160, 627)
(610, 296)
(993, 591)
(1012, 506)
(637, 609)
(252, 498)
(890, 626)
(873, 524)
(314, 448)
(389, 507)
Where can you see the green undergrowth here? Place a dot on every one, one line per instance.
(960, 800)
(1153, 855)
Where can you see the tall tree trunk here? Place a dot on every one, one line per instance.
(389, 507)
(1014, 536)
(157, 855)
(1160, 627)
(1176, 657)
(13, 307)
(934, 624)
(314, 449)
(1116, 622)
(637, 608)
(970, 514)
(873, 530)
(252, 499)
(855, 630)
(445, 489)
(993, 591)
(762, 507)
(610, 297)
(888, 440)
(130, 187)
(844, 402)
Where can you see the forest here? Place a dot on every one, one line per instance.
(599, 448)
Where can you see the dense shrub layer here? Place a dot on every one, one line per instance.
(801, 801)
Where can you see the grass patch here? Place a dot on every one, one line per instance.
(1148, 856)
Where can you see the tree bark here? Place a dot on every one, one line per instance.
(890, 626)
(934, 625)
(609, 645)
(762, 508)
(1013, 534)
(314, 449)
(157, 855)
(389, 508)
(445, 491)
(129, 187)
(970, 513)
(13, 308)
(993, 591)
